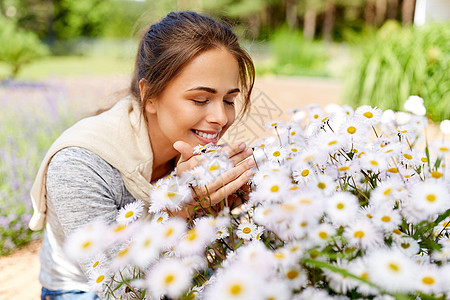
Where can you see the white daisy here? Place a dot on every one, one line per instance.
(172, 231)
(375, 162)
(444, 126)
(195, 239)
(160, 217)
(341, 208)
(430, 279)
(86, 242)
(368, 115)
(323, 233)
(294, 276)
(302, 172)
(276, 153)
(98, 280)
(406, 244)
(429, 198)
(170, 196)
(392, 270)
(130, 212)
(386, 219)
(246, 231)
(276, 290)
(323, 184)
(362, 233)
(355, 129)
(146, 244)
(168, 277)
(235, 283)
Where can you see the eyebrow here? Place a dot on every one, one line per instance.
(212, 91)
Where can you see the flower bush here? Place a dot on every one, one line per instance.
(343, 204)
(32, 116)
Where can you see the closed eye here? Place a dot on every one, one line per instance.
(200, 102)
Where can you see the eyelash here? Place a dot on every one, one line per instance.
(207, 100)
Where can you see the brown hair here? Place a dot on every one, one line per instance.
(169, 44)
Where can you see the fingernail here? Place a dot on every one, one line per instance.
(251, 162)
(242, 146)
(249, 151)
(249, 173)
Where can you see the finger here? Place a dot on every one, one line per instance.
(241, 157)
(233, 149)
(231, 187)
(185, 150)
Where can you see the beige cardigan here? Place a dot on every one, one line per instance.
(119, 136)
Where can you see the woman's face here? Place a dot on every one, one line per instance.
(197, 106)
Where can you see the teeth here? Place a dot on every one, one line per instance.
(206, 135)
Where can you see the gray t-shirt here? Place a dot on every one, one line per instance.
(81, 187)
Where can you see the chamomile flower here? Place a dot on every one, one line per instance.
(339, 282)
(222, 233)
(86, 241)
(386, 219)
(410, 158)
(270, 189)
(368, 115)
(235, 283)
(374, 162)
(329, 142)
(98, 279)
(414, 104)
(98, 262)
(392, 270)
(195, 239)
(130, 212)
(354, 129)
(294, 276)
(362, 233)
(146, 244)
(358, 267)
(123, 257)
(160, 217)
(276, 154)
(169, 197)
(302, 172)
(445, 126)
(341, 208)
(323, 233)
(441, 148)
(323, 184)
(213, 167)
(429, 198)
(430, 279)
(246, 231)
(172, 231)
(406, 244)
(168, 277)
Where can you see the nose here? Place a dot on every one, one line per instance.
(217, 114)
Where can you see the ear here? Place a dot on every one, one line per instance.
(149, 103)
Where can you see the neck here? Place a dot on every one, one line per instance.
(164, 155)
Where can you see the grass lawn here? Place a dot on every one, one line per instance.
(66, 66)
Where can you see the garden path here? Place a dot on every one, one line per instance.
(273, 97)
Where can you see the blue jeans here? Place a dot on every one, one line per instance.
(67, 295)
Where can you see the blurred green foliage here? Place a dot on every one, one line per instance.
(19, 47)
(396, 62)
(291, 54)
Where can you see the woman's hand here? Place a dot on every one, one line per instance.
(226, 184)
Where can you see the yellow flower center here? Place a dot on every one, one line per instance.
(316, 116)
(321, 185)
(436, 174)
(86, 245)
(169, 279)
(123, 253)
(323, 235)
(365, 276)
(292, 274)
(386, 219)
(369, 216)
(428, 280)
(351, 130)
(274, 189)
(100, 279)
(387, 191)
(171, 194)
(95, 264)
(368, 114)
(169, 231)
(279, 255)
(431, 198)
(394, 267)
(444, 149)
(213, 168)
(305, 172)
(359, 234)
(129, 214)
(424, 159)
(159, 220)
(294, 149)
(147, 242)
(405, 245)
(276, 153)
(407, 156)
(374, 163)
(340, 206)
(235, 289)
(191, 235)
(332, 143)
(246, 230)
(392, 170)
(344, 168)
(397, 232)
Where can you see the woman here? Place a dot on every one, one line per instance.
(188, 74)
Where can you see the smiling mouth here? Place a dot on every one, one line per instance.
(208, 136)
